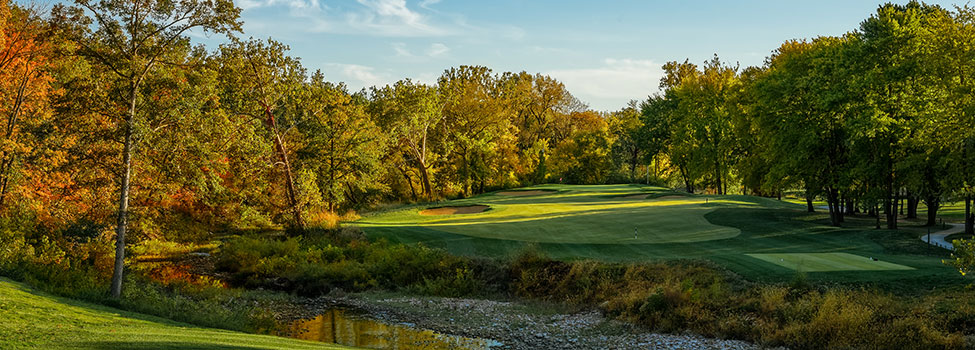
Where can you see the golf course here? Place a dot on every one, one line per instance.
(760, 238)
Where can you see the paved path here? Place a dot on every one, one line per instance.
(938, 238)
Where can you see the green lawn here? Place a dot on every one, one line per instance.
(822, 262)
(34, 320)
(597, 222)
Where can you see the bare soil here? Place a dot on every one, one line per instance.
(468, 209)
(523, 193)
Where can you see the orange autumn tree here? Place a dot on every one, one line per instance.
(26, 60)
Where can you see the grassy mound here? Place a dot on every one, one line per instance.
(34, 320)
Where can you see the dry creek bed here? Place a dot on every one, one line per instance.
(515, 325)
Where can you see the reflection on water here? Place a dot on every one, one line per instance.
(335, 326)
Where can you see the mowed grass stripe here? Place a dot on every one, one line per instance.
(577, 215)
(826, 262)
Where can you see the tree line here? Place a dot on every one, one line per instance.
(876, 120)
(117, 124)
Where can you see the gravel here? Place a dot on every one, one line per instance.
(515, 325)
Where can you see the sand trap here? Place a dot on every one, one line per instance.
(524, 193)
(468, 209)
(636, 196)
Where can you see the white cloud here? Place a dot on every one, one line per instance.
(427, 3)
(437, 49)
(356, 76)
(390, 18)
(402, 51)
(611, 85)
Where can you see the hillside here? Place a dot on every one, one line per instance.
(35, 320)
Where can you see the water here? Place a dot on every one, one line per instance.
(336, 326)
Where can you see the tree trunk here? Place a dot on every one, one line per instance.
(809, 204)
(633, 160)
(877, 215)
(890, 208)
(427, 190)
(969, 219)
(850, 204)
(409, 181)
(717, 176)
(834, 210)
(912, 204)
(687, 181)
(123, 201)
(933, 204)
(290, 179)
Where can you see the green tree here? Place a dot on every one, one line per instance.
(412, 114)
(260, 83)
(129, 38)
(341, 143)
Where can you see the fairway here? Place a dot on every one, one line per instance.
(613, 214)
(759, 238)
(823, 262)
(33, 320)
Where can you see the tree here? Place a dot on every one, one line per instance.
(628, 130)
(411, 113)
(895, 86)
(341, 144)
(801, 117)
(129, 38)
(261, 83)
(476, 124)
(703, 138)
(26, 58)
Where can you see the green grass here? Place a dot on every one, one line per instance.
(34, 320)
(579, 215)
(597, 222)
(820, 262)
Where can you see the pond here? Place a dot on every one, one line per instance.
(342, 327)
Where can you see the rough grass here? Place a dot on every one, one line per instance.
(34, 320)
(597, 222)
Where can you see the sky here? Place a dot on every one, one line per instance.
(605, 52)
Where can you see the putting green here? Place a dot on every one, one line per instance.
(825, 262)
(606, 214)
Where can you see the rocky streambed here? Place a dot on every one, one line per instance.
(506, 325)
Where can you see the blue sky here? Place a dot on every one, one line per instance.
(606, 52)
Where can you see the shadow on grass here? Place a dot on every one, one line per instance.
(153, 345)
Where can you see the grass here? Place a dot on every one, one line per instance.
(597, 222)
(34, 320)
(820, 262)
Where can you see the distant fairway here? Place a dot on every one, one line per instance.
(590, 214)
(822, 262)
(760, 238)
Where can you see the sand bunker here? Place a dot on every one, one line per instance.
(524, 193)
(636, 196)
(467, 209)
